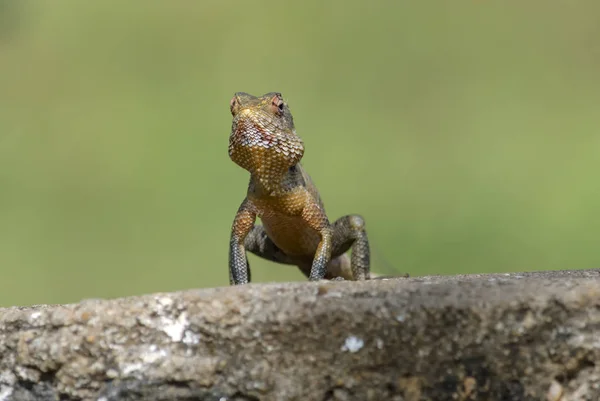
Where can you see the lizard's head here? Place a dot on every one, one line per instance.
(263, 139)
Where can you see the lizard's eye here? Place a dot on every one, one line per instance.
(232, 104)
(278, 104)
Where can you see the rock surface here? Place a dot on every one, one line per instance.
(508, 337)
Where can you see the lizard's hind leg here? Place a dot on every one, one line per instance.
(349, 232)
(258, 242)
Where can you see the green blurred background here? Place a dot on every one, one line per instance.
(465, 132)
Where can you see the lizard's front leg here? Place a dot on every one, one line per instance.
(239, 269)
(316, 218)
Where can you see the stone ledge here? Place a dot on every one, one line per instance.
(526, 336)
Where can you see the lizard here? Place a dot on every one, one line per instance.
(295, 229)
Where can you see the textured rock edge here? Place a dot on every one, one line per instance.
(525, 336)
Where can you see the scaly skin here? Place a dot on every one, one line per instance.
(295, 228)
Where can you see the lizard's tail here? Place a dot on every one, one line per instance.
(341, 267)
(393, 272)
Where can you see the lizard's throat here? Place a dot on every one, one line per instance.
(267, 156)
(271, 185)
